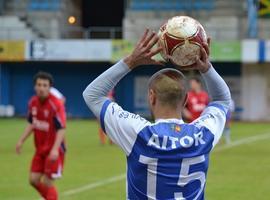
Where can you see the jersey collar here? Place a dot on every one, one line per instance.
(172, 120)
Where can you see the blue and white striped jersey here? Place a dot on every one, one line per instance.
(167, 159)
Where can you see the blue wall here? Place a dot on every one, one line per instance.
(71, 79)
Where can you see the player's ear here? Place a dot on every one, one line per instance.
(152, 97)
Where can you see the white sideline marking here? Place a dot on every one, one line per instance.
(122, 176)
(243, 141)
(94, 185)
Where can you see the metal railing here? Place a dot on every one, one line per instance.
(62, 33)
(103, 32)
(217, 33)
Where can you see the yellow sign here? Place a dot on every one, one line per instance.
(12, 50)
(264, 8)
(122, 48)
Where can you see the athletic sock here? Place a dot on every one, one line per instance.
(42, 189)
(52, 193)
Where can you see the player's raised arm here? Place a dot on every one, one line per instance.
(214, 116)
(120, 125)
(216, 86)
(96, 92)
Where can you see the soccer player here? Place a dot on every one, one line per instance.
(197, 100)
(47, 119)
(167, 159)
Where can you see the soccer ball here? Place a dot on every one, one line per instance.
(181, 38)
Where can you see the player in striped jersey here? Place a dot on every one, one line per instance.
(167, 159)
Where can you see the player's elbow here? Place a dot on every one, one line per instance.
(84, 94)
(90, 96)
(87, 96)
(226, 99)
(224, 95)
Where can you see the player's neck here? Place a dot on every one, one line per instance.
(197, 91)
(165, 113)
(42, 99)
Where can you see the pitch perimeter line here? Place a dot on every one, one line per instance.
(243, 141)
(122, 176)
(94, 185)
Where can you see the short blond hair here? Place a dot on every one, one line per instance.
(170, 86)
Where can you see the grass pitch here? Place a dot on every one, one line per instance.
(93, 171)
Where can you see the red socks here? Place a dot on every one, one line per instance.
(49, 193)
(42, 189)
(52, 193)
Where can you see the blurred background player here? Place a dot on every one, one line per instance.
(101, 134)
(47, 119)
(197, 100)
(227, 129)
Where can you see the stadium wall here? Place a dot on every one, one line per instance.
(256, 92)
(71, 78)
(75, 67)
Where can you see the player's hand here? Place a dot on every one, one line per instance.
(143, 51)
(19, 147)
(202, 63)
(54, 155)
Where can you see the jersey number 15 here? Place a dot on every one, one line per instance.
(184, 176)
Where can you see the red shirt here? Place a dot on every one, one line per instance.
(196, 103)
(47, 117)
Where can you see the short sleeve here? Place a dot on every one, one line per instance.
(213, 118)
(120, 125)
(60, 116)
(56, 93)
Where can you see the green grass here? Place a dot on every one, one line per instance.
(241, 172)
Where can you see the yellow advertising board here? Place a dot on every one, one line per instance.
(264, 8)
(122, 48)
(12, 50)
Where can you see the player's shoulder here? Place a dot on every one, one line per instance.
(191, 93)
(214, 116)
(216, 107)
(54, 102)
(33, 100)
(111, 112)
(204, 93)
(54, 99)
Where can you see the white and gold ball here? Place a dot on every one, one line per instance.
(181, 38)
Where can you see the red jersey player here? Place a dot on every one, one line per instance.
(47, 119)
(197, 100)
